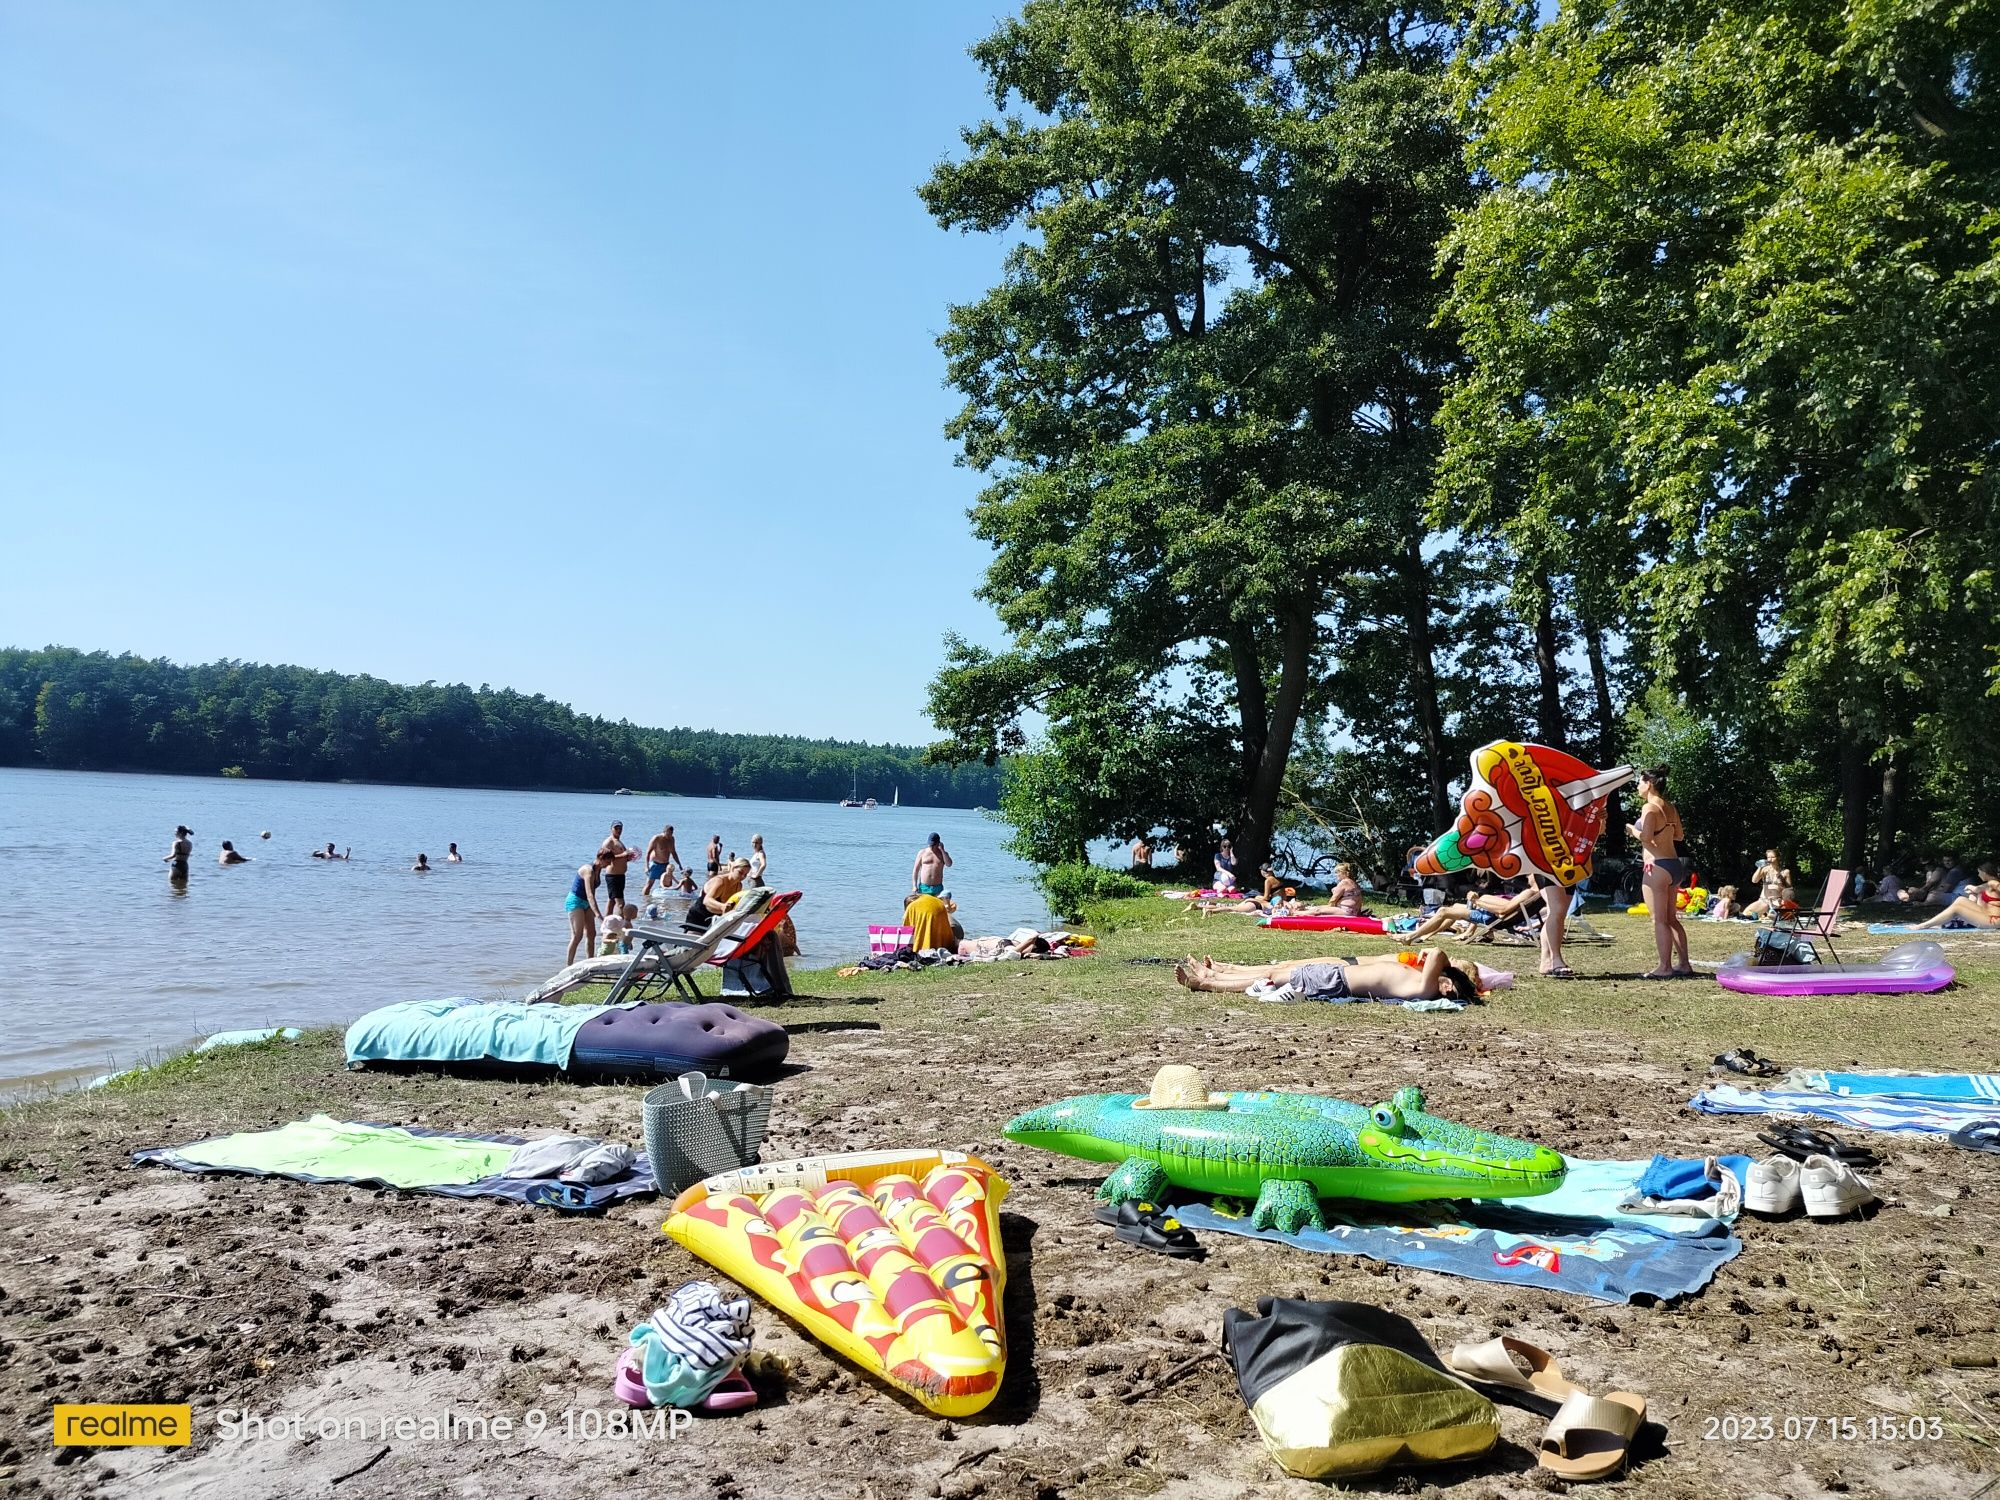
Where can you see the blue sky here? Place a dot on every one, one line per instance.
(509, 343)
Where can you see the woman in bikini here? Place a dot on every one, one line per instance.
(1659, 834)
(1981, 908)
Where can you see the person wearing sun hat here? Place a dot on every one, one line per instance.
(1178, 1086)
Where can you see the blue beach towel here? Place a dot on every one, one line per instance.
(1954, 925)
(463, 1030)
(1604, 1261)
(1965, 1086)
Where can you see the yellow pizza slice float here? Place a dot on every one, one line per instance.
(890, 1257)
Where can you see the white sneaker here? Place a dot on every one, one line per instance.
(1833, 1189)
(1773, 1186)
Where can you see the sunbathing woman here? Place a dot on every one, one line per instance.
(1981, 908)
(1429, 975)
(1344, 899)
(1488, 913)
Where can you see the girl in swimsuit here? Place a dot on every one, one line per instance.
(1659, 834)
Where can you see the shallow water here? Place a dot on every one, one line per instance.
(104, 961)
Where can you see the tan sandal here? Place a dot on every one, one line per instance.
(1498, 1362)
(1590, 1438)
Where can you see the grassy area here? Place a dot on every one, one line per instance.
(1123, 987)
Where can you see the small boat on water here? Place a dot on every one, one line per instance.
(870, 804)
(853, 797)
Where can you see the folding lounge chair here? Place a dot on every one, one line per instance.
(667, 958)
(1820, 924)
(780, 908)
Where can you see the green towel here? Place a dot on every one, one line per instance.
(325, 1147)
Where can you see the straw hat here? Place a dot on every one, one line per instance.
(1177, 1086)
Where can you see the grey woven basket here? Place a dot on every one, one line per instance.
(718, 1129)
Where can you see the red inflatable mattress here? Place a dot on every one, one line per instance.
(1327, 924)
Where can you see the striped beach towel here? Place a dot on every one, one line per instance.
(1901, 1114)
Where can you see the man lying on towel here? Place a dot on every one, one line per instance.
(1425, 975)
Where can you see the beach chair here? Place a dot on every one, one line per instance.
(747, 946)
(666, 959)
(1820, 924)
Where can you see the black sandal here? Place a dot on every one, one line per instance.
(1150, 1227)
(1980, 1135)
(1798, 1142)
(1743, 1060)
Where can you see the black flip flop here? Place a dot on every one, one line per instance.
(1798, 1142)
(1743, 1060)
(1980, 1135)
(1150, 1227)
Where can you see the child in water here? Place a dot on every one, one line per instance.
(616, 936)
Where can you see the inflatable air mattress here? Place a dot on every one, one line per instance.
(586, 1041)
(892, 1258)
(1910, 969)
(1327, 923)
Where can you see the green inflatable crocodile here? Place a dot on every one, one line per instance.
(1288, 1151)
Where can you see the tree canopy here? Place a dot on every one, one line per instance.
(1202, 388)
(1360, 385)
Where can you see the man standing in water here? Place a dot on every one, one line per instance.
(714, 855)
(183, 850)
(614, 856)
(661, 857)
(927, 874)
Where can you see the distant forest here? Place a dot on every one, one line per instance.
(76, 710)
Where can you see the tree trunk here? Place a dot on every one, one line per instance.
(1853, 798)
(1889, 815)
(1613, 841)
(1548, 670)
(1423, 683)
(1265, 779)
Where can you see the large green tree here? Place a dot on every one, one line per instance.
(1730, 316)
(1202, 389)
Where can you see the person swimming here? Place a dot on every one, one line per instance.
(229, 856)
(452, 856)
(422, 866)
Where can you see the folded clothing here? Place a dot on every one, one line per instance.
(690, 1346)
(1680, 1177)
(573, 1158)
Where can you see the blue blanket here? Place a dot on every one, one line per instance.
(1963, 1086)
(1954, 925)
(464, 1030)
(1514, 1246)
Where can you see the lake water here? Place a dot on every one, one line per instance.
(103, 962)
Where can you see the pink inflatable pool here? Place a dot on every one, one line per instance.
(1328, 923)
(1911, 969)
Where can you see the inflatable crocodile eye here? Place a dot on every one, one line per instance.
(1387, 1116)
(1408, 1098)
